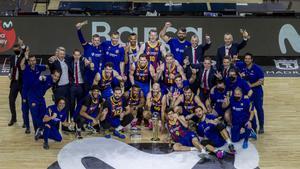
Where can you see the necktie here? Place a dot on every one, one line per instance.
(204, 80)
(76, 73)
(225, 72)
(195, 56)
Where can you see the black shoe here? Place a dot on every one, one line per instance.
(23, 126)
(37, 134)
(11, 122)
(46, 146)
(261, 131)
(27, 131)
(78, 135)
(231, 148)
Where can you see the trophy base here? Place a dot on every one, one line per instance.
(155, 139)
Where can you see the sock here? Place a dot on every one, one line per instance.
(194, 149)
(228, 141)
(119, 128)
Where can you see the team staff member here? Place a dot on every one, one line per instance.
(231, 48)
(15, 76)
(241, 117)
(37, 101)
(178, 44)
(31, 73)
(255, 77)
(55, 115)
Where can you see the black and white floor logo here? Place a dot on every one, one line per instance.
(113, 154)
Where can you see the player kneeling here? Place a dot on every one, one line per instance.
(89, 111)
(185, 140)
(214, 132)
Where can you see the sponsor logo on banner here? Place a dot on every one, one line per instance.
(289, 33)
(7, 35)
(105, 28)
(284, 68)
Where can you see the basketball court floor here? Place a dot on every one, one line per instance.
(278, 148)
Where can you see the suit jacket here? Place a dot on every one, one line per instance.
(200, 50)
(72, 72)
(56, 66)
(223, 73)
(234, 50)
(211, 77)
(16, 65)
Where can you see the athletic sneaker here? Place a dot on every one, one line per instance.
(231, 148)
(91, 129)
(253, 134)
(38, 134)
(117, 134)
(220, 154)
(107, 134)
(245, 144)
(46, 146)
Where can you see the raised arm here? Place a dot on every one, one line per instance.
(79, 33)
(162, 33)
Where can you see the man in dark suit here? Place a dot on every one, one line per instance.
(194, 55)
(77, 81)
(225, 67)
(15, 76)
(230, 48)
(206, 78)
(60, 62)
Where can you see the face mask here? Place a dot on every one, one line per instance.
(220, 89)
(237, 98)
(232, 78)
(17, 52)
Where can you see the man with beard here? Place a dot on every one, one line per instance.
(89, 111)
(168, 71)
(136, 101)
(116, 114)
(178, 44)
(241, 117)
(188, 100)
(105, 78)
(31, 73)
(141, 72)
(155, 106)
(255, 77)
(212, 132)
(154, 49)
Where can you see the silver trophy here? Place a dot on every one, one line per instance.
(155, 128)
